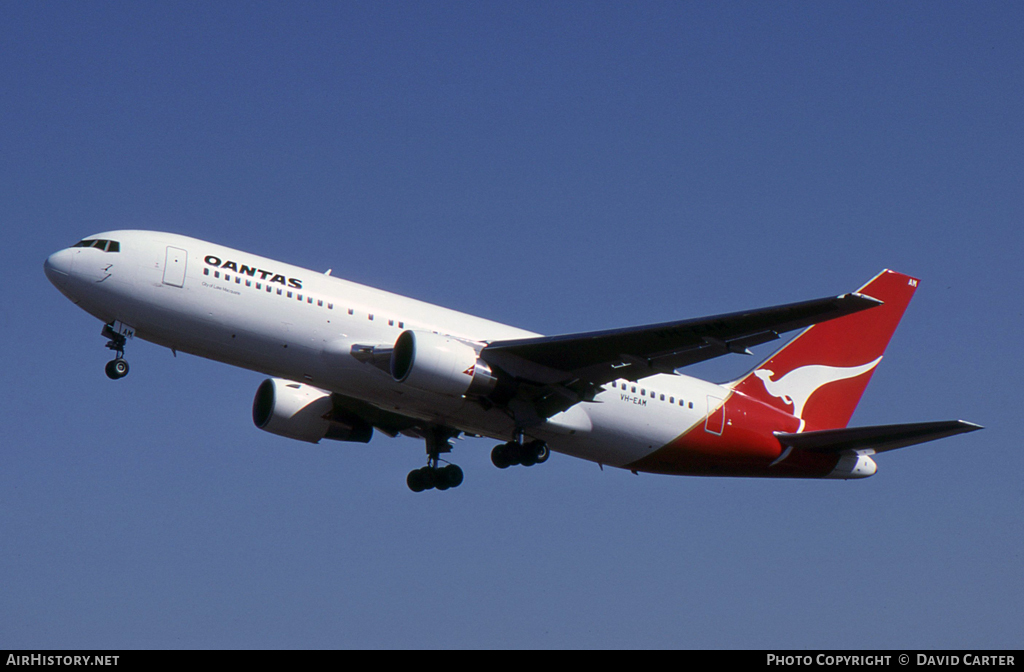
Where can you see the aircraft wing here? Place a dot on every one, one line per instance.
(876, 439)
(556, 372)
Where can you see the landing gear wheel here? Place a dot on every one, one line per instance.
(540, 452)
(415, 481)
(434, 475)
(116, 368)
(420, 479)
(501, 456)
(452, 475)
(508, 454)
(442, 478)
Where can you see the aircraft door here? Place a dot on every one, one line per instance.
(715, 421)
(174, 266)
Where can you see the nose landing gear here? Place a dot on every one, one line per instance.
(117, 336)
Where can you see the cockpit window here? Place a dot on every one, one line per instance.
(105, 245)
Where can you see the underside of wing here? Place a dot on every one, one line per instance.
(875, 439)
(392, 424)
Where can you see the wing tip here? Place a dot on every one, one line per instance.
(854, 302)
(969, 426)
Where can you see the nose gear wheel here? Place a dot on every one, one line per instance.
(117, 367)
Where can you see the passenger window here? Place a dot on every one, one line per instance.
(216, 274)
(371, 316)
(248, 283)
(319, 302)
(663, 397)
(206, 271)
(401, 325)
(350, 311)
(633, 389)
(691, 404)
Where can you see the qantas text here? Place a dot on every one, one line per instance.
(251, 271)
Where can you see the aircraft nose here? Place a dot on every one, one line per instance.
(58, 267)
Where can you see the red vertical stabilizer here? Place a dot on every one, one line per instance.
(821, 374)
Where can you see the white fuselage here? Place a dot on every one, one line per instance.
(293, 323)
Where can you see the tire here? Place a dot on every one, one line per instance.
(452, 475)
(121, 367)
(414, 481)
(116, 368)
(541, 452)
(500, 457)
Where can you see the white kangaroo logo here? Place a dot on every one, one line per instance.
(797, 386)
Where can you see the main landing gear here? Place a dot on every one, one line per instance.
(527, 454)
(519, 451)
(118, 367)
(433, 475)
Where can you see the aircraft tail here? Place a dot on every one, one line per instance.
(821, 374)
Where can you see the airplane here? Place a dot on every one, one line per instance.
(344, 360)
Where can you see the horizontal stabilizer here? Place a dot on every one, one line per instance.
(877, 439)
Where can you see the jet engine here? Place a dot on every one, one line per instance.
(305, 413)
(442, 364)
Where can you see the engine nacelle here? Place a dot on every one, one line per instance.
(442, 364)
(305, 413)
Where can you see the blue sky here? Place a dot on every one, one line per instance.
(559, 167)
